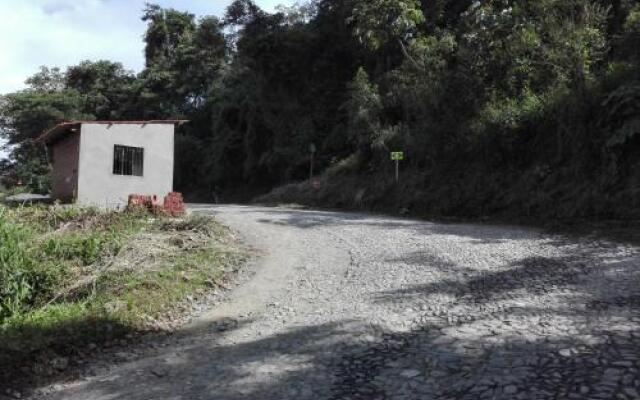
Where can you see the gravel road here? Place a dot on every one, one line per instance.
(356, 306)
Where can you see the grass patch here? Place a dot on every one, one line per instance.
(142, 299)
(72, 276)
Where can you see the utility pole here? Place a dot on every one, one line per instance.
(312, 150)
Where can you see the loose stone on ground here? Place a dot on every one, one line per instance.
(355, 306)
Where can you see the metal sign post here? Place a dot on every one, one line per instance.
(397, 171)
(397, 156)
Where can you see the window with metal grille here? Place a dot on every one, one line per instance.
(128, 160)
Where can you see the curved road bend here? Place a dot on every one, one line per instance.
(357, 306)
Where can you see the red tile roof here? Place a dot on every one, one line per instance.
(66, 127)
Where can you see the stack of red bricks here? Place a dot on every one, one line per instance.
(139, 201)
(173, 204)
(156, 206)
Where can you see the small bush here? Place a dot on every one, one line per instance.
(85, 248)
(16, 268)
(42, 249)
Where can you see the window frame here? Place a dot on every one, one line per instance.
(128, 160)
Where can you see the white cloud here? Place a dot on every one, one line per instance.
(59, 33)
(65, 32)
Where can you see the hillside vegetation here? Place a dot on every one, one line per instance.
(502, 107)
(73, 277)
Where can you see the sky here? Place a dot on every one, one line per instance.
(65, 32)
(59, 33)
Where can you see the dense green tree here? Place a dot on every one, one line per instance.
(630, 36)
(281, 92)
(183, 58)
(528, 106)
(364, 107)
(26, 114)
(379, 22)
(108, 89)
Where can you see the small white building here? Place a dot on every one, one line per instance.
(101, 163)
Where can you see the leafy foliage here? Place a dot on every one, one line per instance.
(364, 107)
(378, 22)
(37, 257)
(623, 115)
(525, 107)
(16, 283)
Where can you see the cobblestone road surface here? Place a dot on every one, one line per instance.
(354, 306)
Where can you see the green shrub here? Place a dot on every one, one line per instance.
(16, 268)
(42, 249)
(85, 248)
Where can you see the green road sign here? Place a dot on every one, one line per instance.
(397, 156)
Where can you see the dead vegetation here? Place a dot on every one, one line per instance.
(81, 276)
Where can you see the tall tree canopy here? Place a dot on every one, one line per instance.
(530, 106)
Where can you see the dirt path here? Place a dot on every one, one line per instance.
(350, 306)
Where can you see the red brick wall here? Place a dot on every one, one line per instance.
(66, 153)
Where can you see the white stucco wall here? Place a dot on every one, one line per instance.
(99, 186)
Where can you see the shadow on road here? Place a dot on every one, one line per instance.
(328, 361)
(495, 355)
(535, 328)
(304, 219)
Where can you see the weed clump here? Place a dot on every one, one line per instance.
(70, 276)
(40, 252)
(18, 279)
